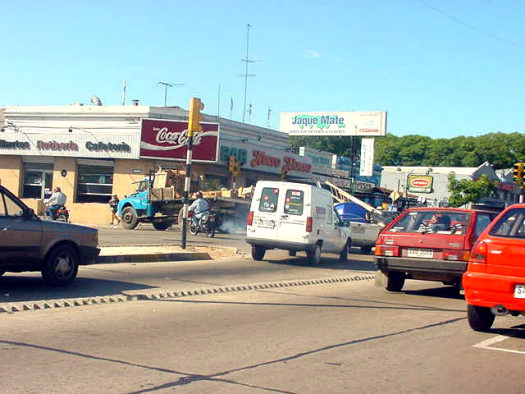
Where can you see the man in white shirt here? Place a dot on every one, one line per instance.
(55, 202)
(199, 207)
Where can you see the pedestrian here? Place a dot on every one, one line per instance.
(113, 205)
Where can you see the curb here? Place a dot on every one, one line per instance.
(75, 302)
(152, 257)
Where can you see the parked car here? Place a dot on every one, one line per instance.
(494, 283)
(28, 243)
(429, 244)
(295, 217)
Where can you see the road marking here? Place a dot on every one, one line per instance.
(486, 344)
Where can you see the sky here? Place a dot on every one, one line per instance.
(438, 68)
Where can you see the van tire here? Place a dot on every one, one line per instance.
(480, 318)
(343, 256)
(314, 256)
(258, 252)
(395, 280)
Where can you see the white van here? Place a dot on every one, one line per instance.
(295, 217)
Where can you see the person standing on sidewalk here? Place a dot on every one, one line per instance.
(113, 205)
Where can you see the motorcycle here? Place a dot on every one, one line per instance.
(207, 224)
(61, 215)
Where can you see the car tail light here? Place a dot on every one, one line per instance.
(383, 250)
(309, 224)
(456, 255)
(479, 253)
(249, 221)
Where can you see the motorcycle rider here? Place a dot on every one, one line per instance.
(199, 207)
(55, 202)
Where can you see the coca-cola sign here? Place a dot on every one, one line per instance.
(168, 139)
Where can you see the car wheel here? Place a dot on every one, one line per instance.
(343, 256)
(366, 249)
(162, 226)
(480, 318)
(258, 252)
(314, 256)
(292, 253)
(60, 266)
(129, 218)
(395, 281)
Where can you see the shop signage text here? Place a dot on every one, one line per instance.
(261, 159)
(114, 145)
(240, 154)
(167, 139)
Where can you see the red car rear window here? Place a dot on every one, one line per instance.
(440, 222)
(511, 225)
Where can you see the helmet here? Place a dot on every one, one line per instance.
(199, 195)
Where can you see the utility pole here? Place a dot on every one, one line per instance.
(166, 85)
(246, 75)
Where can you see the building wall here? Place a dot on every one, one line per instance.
(10, 173)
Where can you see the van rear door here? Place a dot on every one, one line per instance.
(292, 220)
(266, 213)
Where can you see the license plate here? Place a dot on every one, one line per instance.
(519, 291)
(266, 223)
(422, 253)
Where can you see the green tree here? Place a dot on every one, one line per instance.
(467, 190)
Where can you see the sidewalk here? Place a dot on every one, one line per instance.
(157, 253)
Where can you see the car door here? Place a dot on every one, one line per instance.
(20, 237)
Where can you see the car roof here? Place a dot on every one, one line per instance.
(447, 209)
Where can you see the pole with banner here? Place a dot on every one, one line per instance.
(193, 126)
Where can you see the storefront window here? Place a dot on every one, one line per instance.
(95, 182)
(38, 180)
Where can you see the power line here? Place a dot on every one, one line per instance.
(469, 26)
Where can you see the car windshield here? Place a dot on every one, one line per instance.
(440, 222)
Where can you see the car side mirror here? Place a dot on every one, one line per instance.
(29, 213)
(344, 224)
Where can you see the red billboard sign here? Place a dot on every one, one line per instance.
(167, 139)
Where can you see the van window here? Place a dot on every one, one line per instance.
(294, 202)
(269, 197)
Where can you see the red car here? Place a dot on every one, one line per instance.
(429, 244)
(495, 279)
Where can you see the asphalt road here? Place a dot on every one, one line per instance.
(331, 338)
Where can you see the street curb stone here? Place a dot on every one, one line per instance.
(166, 294)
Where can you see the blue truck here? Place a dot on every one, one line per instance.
(158, 206)
(157, 200)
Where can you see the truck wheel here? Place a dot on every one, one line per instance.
(314, 256)
(479, 318)
(129, 218)
(366, 249)
(162, 226)
(292, 253)
(343, 256)
(395, 281)
(258, 252)
(60, 266)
